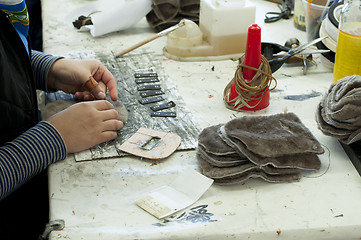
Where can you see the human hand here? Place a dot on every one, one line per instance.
(86, 124)
(69, 75)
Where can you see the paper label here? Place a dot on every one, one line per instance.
(186, 189)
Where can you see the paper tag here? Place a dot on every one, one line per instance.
(186, 189)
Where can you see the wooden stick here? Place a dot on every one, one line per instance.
(160, 34)
(137, 45)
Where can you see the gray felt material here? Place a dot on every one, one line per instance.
(221, 161)
(273, 136)
(347, 128)
(258, 174)
(329, 129)
(339, 112)
(245, 171)
(305, 160)
(211, 143)
(246, 147)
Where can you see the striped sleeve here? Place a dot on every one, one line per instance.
(28, 155)
(41, 64)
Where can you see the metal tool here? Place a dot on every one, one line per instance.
(268, 49)
(54, 225)
(285, 13)
(293, 43)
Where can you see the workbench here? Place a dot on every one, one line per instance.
(96, 199)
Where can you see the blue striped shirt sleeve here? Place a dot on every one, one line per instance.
(41, 64)
(28, 155)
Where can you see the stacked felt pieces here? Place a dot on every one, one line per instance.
(339, 113)
(274, 148)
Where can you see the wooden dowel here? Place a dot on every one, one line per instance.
(137, 45)
(160, 34)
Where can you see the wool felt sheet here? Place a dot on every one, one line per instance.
(339, 112)
(241, 173)
(273, 148)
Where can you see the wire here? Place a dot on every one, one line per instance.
(285, 13)
(328, 165)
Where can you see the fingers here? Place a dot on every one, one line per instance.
(92, 89)
(105, 75)
(112, 125)
(111, 120)
(88, 96)
(108, 136)
(87, 124)
(102, 105)
(110, 114)
(101, 79)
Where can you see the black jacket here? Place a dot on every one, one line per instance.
(18, 102)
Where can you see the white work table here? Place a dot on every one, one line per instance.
(96, 198)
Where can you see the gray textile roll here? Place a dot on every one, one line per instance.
(339, 112)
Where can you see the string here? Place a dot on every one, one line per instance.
(249, 90)
(327, 168)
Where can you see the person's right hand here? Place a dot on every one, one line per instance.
(86, 124)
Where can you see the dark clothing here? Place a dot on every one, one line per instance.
(24, 213)
(36, 26)
(17, 89)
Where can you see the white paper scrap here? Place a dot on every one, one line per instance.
(112, 15)
(186, 189)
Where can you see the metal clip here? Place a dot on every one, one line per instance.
(150, 143)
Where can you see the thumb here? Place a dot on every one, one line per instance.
(98, 92)
(94, 88)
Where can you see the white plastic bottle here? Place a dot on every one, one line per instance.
(222, 31)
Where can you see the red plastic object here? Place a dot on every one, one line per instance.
(252, 58)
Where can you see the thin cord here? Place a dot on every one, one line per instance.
(249, 90)
(328, 166)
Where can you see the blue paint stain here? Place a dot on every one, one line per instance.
(303, 97)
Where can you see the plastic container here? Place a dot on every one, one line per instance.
(314, 11)
(223, 28)
(348, 52)
(299, 18)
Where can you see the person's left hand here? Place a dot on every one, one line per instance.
(70, 75)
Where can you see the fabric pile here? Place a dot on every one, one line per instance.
(339, 112)
(274, 148)
(166, 13)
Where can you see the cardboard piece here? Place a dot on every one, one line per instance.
(151, 144)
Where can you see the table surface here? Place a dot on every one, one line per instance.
(96, 199)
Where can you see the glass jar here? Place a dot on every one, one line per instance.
(348, 52)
